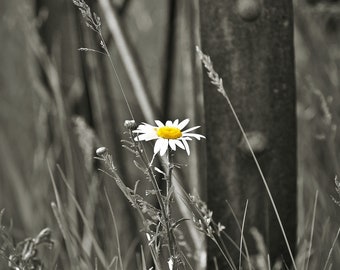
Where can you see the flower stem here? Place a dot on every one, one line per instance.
(168, 197)
(169, 167)
(164, 205)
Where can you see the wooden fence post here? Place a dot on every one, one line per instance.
(251, 45)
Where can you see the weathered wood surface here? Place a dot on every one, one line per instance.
(251, 45)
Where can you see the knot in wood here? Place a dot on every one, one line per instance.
(257, 140)
(249, 10)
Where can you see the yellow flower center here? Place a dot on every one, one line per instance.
(169, 132)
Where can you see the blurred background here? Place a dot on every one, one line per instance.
(58, 104)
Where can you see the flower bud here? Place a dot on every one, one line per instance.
(130, 124)
(101, 151)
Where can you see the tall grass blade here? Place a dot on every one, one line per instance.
(241, 240)
(331, 250)
(58, 212)
(116, 230)
(96, 246)
(268, 262)
(143, 258)
(65, 233)
(246, 255)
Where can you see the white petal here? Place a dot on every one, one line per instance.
(158, 146)
(179, 144)
(183, 124)
(171, 264)
(159, 123)
(190, 129)
(176, 122)
(164, 146)
(159, 171)
(147, 137)
(144, 128)
(186, 145)
(138, 130)
(168, 123)
(172, 144)
(196, 136)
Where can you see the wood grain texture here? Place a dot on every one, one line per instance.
(255, 58)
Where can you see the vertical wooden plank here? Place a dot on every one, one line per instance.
(251, 45)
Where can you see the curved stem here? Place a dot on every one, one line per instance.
(163, 206)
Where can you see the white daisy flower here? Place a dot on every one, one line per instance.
(169, 135)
